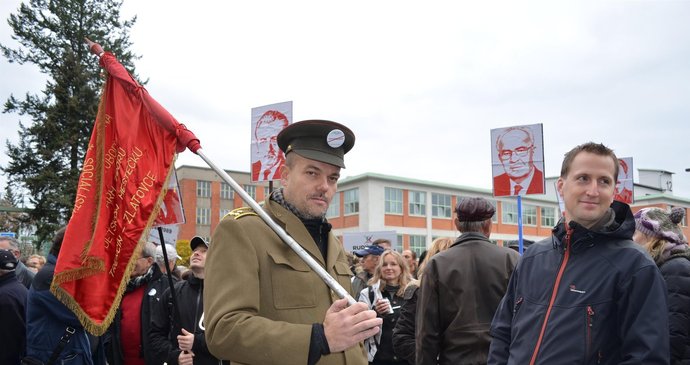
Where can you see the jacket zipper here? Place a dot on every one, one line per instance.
(516, 307)
(590, 317)
(566, 256)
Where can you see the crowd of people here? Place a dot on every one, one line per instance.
(608, 286)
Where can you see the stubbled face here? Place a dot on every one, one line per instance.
(390, 269)
(516, 153)
(369, 263)
(588, 189)
(198, 258)
(309, 185)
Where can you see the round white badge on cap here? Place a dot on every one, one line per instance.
(335, 138)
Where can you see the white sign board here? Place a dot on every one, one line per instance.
(170, 233)
(357, 240)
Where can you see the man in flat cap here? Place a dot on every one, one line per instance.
(461, 290)
(263, 305)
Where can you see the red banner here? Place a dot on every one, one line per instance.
(123, 179)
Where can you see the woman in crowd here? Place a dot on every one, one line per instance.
(658, 232)
(385, 295)
(404, 331)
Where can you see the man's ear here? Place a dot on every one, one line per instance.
(559, 186)
(284, 172)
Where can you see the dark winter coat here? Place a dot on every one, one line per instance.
(458, 296)
(47, 320)
(404, 331)
(150, 302)
(163, 332)
(584, 297)
(12, 319)
(676, 273)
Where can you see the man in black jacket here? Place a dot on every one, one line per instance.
(175, 334)
(588, 294)
(127, 338)
(12, 311)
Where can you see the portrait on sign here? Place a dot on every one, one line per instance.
(517, 158)
(266, 157)
(624, 185)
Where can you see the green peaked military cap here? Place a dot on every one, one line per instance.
(319, 140)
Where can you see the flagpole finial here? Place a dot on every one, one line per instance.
(94, 47)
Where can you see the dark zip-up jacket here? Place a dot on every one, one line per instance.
(584, 297)
(676, 273)
(152, 296)
(163, 331)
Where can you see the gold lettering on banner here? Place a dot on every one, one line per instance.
(107, 118)
(112, 227)
(141, 192)
(84, 185)
(118, 248)
(114, 154)
(132, 161)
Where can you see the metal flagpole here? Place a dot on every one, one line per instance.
(301, 252)
(520, 244)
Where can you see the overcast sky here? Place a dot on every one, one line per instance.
(421, 84)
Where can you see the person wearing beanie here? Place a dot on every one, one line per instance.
(658, 232)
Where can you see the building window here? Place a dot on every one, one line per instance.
(417, 202)
(251, 190)
(334, 208)
(399, 238)
(417, 243)
(529, 215)
(440, 205)
(509, 211)
(394, 201)
(494, 218)
(203, 189)
(203, 216)
(226, 192)
(548, 217)
(224, 212)
(351, 201)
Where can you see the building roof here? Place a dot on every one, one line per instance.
(434, 184)
(656, 170)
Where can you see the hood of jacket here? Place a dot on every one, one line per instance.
(620, 227)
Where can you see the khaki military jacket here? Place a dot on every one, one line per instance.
(261, 299)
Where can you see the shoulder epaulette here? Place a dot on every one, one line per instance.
(241, 212)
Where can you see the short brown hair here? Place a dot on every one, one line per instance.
(591, 147)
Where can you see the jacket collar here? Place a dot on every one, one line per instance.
(8, 277)
(470, 236)
(622, 228)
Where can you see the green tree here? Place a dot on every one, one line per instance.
(46, 161)
(12, 217)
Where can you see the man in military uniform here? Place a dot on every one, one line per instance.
(262, 303)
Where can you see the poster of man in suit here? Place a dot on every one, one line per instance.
(624, 186)
(266, 157)
(517, 157)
